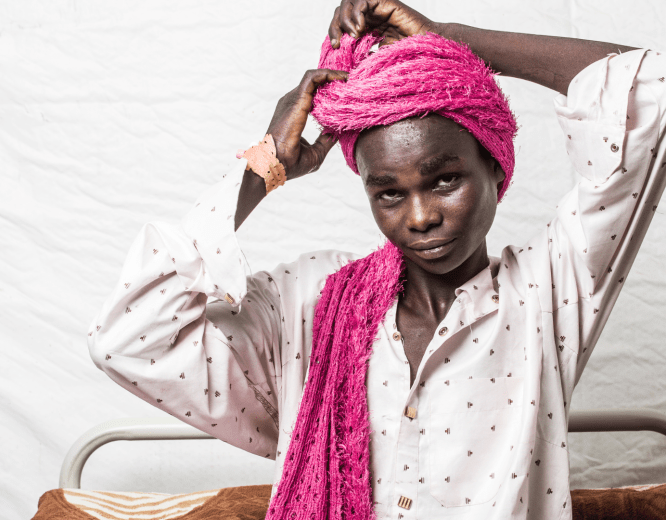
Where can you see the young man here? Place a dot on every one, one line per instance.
(472, 363)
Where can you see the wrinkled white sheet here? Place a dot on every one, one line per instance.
(113, 114)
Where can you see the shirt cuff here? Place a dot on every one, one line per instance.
(213, 263)
(593, 115)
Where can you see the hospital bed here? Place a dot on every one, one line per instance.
(645, 503)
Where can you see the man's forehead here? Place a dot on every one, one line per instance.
(426, 143)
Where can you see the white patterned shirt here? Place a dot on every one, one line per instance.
(492, 392)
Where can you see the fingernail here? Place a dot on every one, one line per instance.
(334, 43)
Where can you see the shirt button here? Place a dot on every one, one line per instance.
(495, 298)
(614, 148)
(443, 331)
(396, 336)
(405, 502)
(410, 412)
(229, 298)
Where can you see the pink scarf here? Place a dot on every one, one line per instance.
(326, 469)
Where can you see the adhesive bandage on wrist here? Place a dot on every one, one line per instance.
(262, 160)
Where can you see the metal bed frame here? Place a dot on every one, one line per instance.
(619, 420)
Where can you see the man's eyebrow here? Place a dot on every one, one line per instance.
(380, 181)
(432, 165)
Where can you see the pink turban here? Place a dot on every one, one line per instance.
(414, 76)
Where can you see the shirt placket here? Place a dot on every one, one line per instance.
(410, 467)
(407, 449)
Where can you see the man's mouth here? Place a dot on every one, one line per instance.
(432, 249)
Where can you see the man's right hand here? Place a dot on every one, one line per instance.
(391, 18)
(288, 122)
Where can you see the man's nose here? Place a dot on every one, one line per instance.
(424, 214)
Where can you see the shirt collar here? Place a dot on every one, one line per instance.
(479, 295)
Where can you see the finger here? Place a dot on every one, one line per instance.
(358, 15)
(318, 151)
(315, 78)
(334, 32)
(324, 143)
(346, 23)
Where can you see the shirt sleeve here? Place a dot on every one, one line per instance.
(613, 119)
(173, 332)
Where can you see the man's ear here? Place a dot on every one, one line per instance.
(498, 171)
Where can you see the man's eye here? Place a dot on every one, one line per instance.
(389, 195)
(446, 181)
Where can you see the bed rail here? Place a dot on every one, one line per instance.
(637, 419)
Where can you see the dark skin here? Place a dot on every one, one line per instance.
(431, 187)
(434, 195)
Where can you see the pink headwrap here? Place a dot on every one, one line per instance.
(414, 76)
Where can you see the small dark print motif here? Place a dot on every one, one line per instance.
(108, 357)
(188, 414)
(537, 462)
(159, 400)
(550, 415)
(182, 375)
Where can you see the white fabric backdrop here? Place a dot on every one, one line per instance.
(113, 114)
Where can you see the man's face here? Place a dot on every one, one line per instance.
(432, 192)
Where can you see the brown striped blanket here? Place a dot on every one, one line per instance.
(251, 503)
